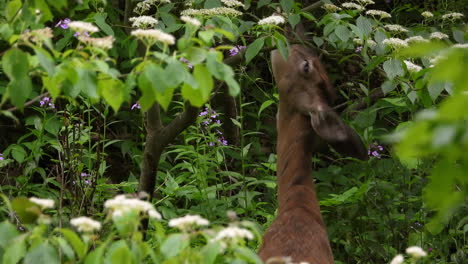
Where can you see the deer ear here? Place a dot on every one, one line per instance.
(328, 126)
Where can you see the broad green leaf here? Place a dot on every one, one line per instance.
(196, 55)
(53, 125)
(204, 80)
(318, 41)
(364, 25)
(18, 153)
(65, 248)
(435, 88)
(294, 19)
(95, 257)
(100, 19)
(87, 84)
(165, 98)
(51, 85)
(282, 44)
(175, 73)
(43, 253)
(265, 105)
(119, 253)
(46, 60)
(388, 86)
(156, 76)
(148, 95)
(43, 7)
(210, 251)
(287, 5)
(420, 49)
(112, 90)
(263, 3)
(15, 250)
(222, 71)
(15, 64)
(75, 241)
(206, 36)
(343, 32)
(19, 90)
(12, 9)
(174, 244)
(253, 49)
(7, 232)
(393, 68)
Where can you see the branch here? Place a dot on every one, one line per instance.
(312, 6)
(179, 124)
(28, 103)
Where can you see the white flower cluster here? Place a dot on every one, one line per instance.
(371, 43)
(232, 3)
(331, 7)
(143, 21)
(145, 5)
(102, 43)
(191, 21)
(153, 35)
(438, 35)
(395, 42)
(85, 224)
(187, 222)
(453, 15)
(412, 67)
(38, 35)
(365, 2)
(350, 5)
(415, 252)
(380, 13)
(395, 28)
(272, 20)
(427, 14)
(232, 233)
(217, 11)
(461, 46)
(81, 26)
(437, 59)
(416, 39)
(120, 205)
(43, 203)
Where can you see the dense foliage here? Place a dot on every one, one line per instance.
(176, 99)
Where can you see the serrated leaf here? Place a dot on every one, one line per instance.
(393, 68)
(434, 89)
(46, 60)
(43, 253)
(294, 19)
(15, 251)
(174, 244)
(112, 90)
(287, 5)
(87, 83)
(100, 19)
(343, 32)
(364, 25)
(388, 86)
(253, 49)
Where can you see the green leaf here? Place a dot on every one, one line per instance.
(53, 125)
(19, 91)
(222, 72)
(12, 9)
(206, 36)
(43, 7)
(16, 66)
(393, 68)
(318, 41)
(420, 49)
(174, 244)
(7, 232)
(388, 86)
(282, 44)
(75, 241)
(253, 49)
(204, 80)
(435, 88)
(148, 95)
(95, 257)
(195, 55)
(210, 251)
(18, 153)
(65, 248)
(119, 253)
(265, 105)
(165, 98)
(175, 73)
(113, 91)
(156, 75)
(100, 19)
(287, 5)
(15, 250)
(294, 19)
(26, 210)
(364, 25)
(343, 32)
(43, 253)
(87, 83)
(46, 60)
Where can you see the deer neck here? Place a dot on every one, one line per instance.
(294, 168)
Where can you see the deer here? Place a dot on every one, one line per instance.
(305, 120)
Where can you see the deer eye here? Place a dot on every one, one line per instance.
(305, 66)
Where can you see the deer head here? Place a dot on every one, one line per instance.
(304, 88)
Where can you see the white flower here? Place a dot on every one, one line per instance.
(81, 26)
(143, 21)
(102, 43)
(188, 221)
(412, 67)
(380, 13)
(38, 35)
(365, 2)
(416, 39)
(453, 15)
(350, 5)
(272, 20)
(233, 232)
(416, 252)
(120, 205)
(153, 35)
(461, 46)
(145, 5)
(43, 203)
(191, 20)
(395, 28)
(358, 41)
(438, 35)
(217, 11)
(437, 59)
(398, 259)
(85, 224)
(232, 3)
(395, 42)
(331, 7)
(427, 14)
(371, 43)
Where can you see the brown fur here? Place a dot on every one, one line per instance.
(305, 117)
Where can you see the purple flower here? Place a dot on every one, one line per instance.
(184, 60)
(203, 113)
(63, 23)
(358, 49)
(1, 156)
(223, 141)
(78, 34)
(88, 182)
(46, 102)
(218, 122)
(84, 174)
(429, 249)
(136, 106)
(375, 151)
(211, 144)
(235, 50)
